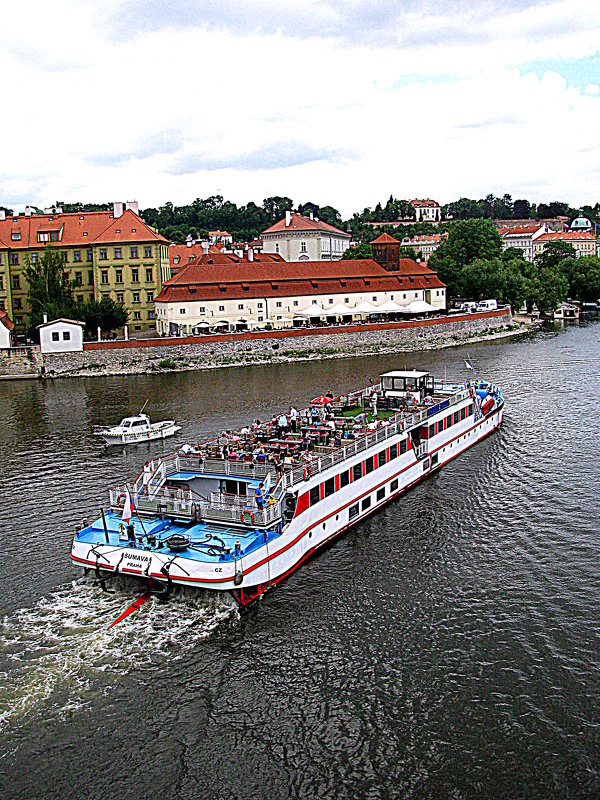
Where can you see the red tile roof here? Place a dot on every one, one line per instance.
(284, 279)
(6, 320)
(425, 204)
(385, 238)
(300, 223)
(567, 235)
(86, 228)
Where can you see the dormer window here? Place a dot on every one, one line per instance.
(16, 236)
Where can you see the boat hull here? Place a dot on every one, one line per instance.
(142, 436)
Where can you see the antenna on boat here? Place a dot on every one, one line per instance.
(143, 407)
(469, 365)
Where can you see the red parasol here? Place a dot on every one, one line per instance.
(320, 401)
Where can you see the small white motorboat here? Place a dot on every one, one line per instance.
(132, 430)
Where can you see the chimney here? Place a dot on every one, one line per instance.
(205, 248)
(44, 318)
(189, 241)
(311, 215)
(117, 210)
(27, 211)
(250, 254)
(288, 219)
(132, 205)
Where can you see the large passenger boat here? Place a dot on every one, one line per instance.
(241, 512)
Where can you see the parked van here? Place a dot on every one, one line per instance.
(487, 305)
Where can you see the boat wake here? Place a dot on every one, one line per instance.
(61, 654)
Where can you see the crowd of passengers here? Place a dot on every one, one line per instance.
(289, 440)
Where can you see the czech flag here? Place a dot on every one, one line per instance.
(128, 508)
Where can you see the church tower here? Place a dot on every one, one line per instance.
(386, 252)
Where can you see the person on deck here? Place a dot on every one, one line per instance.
(282, 425)
(146, 477)
(293, 419)
(259, 496)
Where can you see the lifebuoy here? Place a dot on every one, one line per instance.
(306, 473)
(247, 517)
(121, 500)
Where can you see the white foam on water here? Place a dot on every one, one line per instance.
(60, 652)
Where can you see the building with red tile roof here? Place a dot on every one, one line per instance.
(299, 238)
(425, 244)
(522, 238)
(106, 253)
(253, 294)
(584, 243)
(427, 210)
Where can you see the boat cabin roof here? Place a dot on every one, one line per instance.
(398, 373)
(139, 419)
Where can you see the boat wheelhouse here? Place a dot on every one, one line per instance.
(136, 429)
(241, 512)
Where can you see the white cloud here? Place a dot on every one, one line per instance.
(318, 101)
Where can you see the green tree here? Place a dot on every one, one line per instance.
(554, 253)
(49, 289)
(362, 250)
(583, 275)
(468, 240)
(549, 287)
(105, 314)
(275, 207)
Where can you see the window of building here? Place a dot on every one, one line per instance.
(66, 336)
(380, 493)
(329, 486)
(344, 478)
(357, 471)
(120, 297)
(151, 314)
(90, 278)
(15, 236)
(135, 275)
(14, 259)
(118, 253)
(118, 276)
(89, 255)
(16, 282)
(149, 275)
(303, 247)
(18, 303)
(76, 255)
(133, 252)
(394, 485)
(259, 305)
(276, 248)
(295, 302)
(182, 310)
(1, 282)
(240, 306)
(314, 495)
(278, 305)
(136, 297)
(221, 308)
(2, 306)
(54, 236)
(366, 503)
(18, 320)
(34, 258)
(103, 254)
(150, 297)
(104, 276)
(353, 511)
(202, 310)
(55, 336)
(137, 314)
(148, 251)
(346, 299)
(78, 279)
(65, 256)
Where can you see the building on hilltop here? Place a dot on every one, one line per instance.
(552, 223)
(106, 253)
(299, 238)
(427, 211)
(216, 294)
(425, 244)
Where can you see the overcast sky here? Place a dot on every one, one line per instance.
(339, 102)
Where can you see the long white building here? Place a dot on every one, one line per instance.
(231, 293)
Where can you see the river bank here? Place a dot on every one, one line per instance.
(144, 357)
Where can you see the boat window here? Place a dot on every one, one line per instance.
(381, 493)
(381, 459)
(449, 420)
(369, 465)
(394, 452)
(431, 431)
(403, 446)
(366, 503)
(394, 485)
(329, 486)
(314, 495)
(353, 511)
(125, 424)
(455, 418)
(344, 478)
(357, 471)
(137, 422)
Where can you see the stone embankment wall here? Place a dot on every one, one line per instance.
(21, 362)
(206, 352)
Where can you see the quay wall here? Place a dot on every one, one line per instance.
(222, 350)
(21, 362)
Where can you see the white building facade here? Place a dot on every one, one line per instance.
(427, 211)
(299, 238)
(61, 336)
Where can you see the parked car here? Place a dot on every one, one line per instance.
(487, 305)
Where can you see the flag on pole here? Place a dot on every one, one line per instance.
(469, 365)
(128, 507)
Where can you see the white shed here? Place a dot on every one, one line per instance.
(61, 336)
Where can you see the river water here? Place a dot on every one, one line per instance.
(449, 647)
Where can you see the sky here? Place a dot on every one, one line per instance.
(337, 102)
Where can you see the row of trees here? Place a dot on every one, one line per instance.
(505, 207)
(51, 292)
(472, 264)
